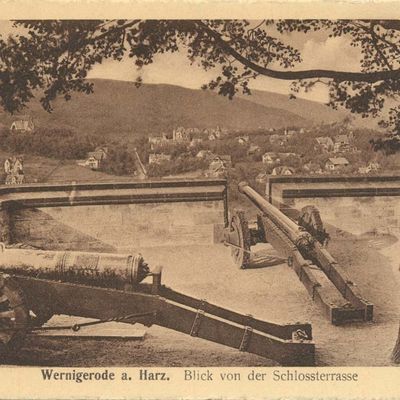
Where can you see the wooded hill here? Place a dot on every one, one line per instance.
(119, 109)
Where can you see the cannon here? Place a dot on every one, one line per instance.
(36, 284)
(302, 244)
(240, 237)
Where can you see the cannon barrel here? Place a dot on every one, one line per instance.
(99, 269)
(294, 231)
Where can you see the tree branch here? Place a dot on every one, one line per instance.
(339, 76)
(114, 29)
(393, 24)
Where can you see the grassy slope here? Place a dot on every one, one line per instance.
(42, 169)
(311, 110)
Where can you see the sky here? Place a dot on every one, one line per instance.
(317, 50)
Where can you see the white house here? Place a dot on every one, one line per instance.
(270, 158)
(335, 163)
(181, 134)
(24, 124)
(243, 139)
(283, 170)
(373, 167)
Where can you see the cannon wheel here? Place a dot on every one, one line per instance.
(14, 315)
(239, 238)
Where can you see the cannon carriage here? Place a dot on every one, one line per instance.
(36, 284)
(301, 243)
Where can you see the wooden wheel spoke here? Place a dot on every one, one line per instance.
(240, 239)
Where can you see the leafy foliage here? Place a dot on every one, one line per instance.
(177, 166)
(58, 143)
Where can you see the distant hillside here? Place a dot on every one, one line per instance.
(310, 110)
(120, 109)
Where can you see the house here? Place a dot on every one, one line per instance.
(205, 154)
(373, 167)
(215, 133)
(220, 132)
(253, 150)
(158, 158)
(312, 168)
(243, 139)
(91, 161)
(7, 166)
(270, 158)
(94, 158)
(325, 143)
(342, 144)
(167, 136)
(159, 141)
(23, 125)
(101, 153)
(181, 134)
(341, 148)
(283, 170)
(219, 166)
(224, 159)
(336, 163)
(14, 169)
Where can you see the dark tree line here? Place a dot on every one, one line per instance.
(61, 143)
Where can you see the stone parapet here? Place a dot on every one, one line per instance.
(114, 217)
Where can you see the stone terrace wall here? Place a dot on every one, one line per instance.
(355, 204)
(186, 217)
(357, 215)
(118, 227)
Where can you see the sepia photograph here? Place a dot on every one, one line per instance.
(199, 193)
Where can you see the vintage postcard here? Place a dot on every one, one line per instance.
(199, 200)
